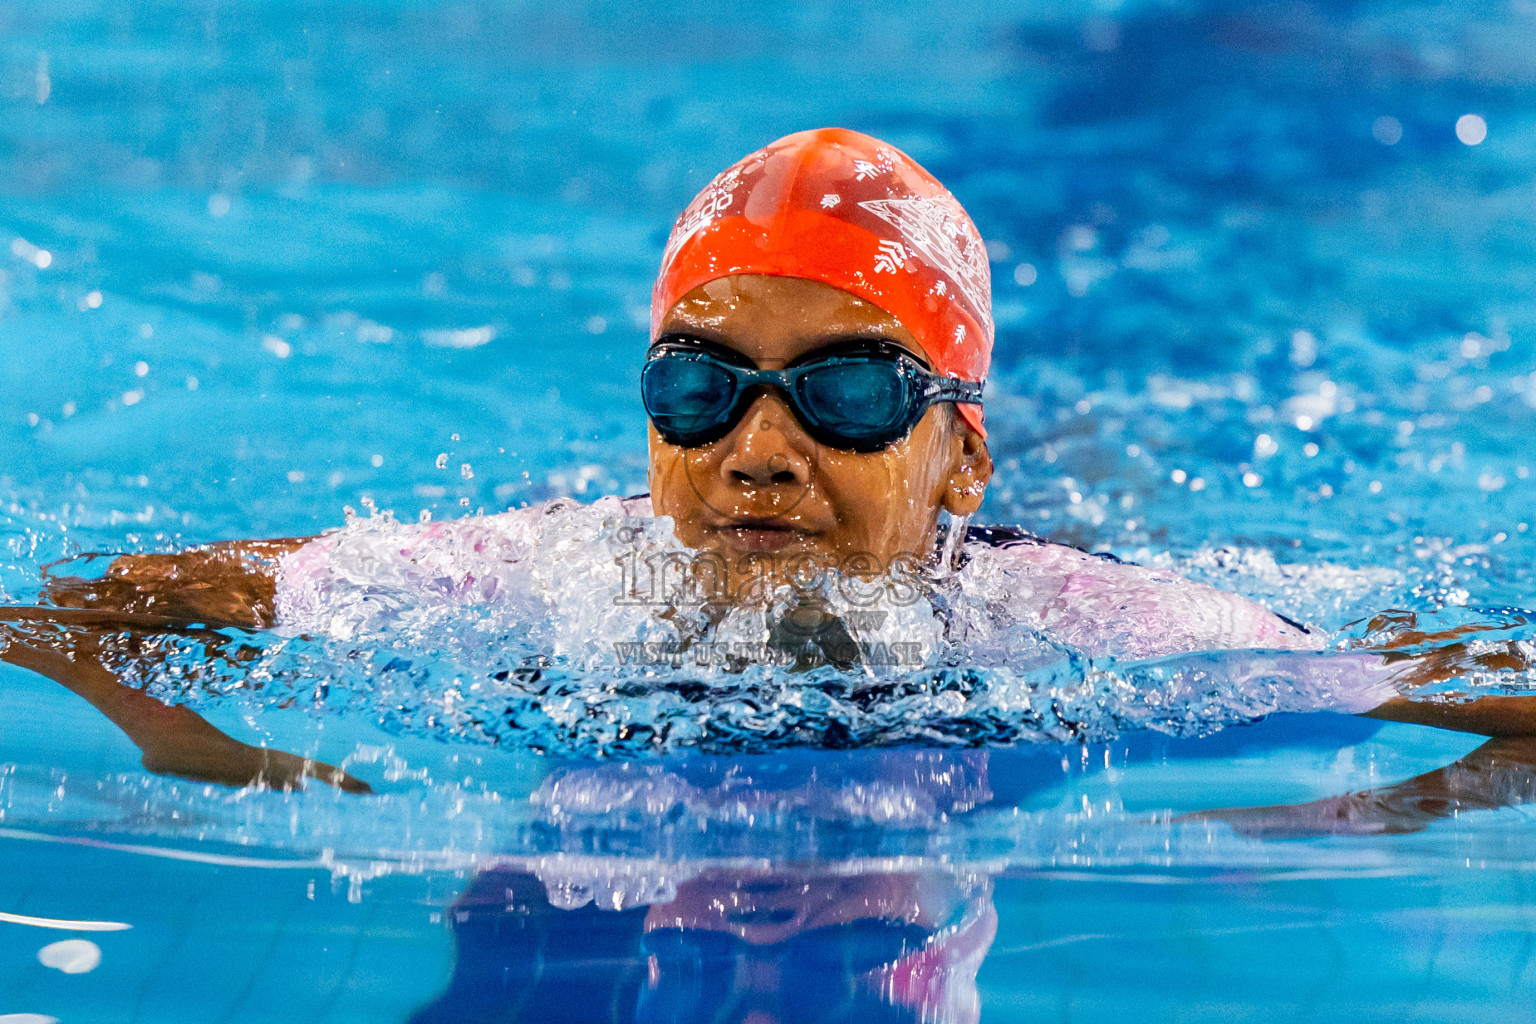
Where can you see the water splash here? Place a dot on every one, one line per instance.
(533, 632)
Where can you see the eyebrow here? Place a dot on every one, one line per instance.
(706, 340)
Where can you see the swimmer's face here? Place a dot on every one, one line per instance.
(817, 947)
(767, 489)
(768, 907)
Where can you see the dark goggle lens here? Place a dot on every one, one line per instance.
(858, 947)
(863, 401)
(686, 398)
(843, 950)
(695, 974)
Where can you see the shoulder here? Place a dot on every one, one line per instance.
(381, 561)
(1110, 606)
(1015, 546)
(480, 558)
(638, 505)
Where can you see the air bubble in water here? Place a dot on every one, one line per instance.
(442, 460)
(453, 437)
(466, 472)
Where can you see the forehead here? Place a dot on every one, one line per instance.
(774, 320)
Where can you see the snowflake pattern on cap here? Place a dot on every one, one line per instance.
(937, 229)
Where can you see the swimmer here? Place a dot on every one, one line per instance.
(821, 333)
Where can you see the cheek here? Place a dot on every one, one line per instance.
(668, 475)
(919, 465)
(883, 498)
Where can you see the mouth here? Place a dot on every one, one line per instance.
(755, 535)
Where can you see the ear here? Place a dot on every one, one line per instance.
(972, 470)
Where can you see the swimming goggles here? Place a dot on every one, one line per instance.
(695, 975)
(861, 399)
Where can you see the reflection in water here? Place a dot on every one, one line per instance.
(521, 958)
(751, 890)
(749, 946)
(596, 939)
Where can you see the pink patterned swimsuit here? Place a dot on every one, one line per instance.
(1095, 604)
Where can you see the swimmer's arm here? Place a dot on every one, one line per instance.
(1455, 658)
(1500, 773)
(1154, 595)
(1484, 716)
(229, 583)
(69, 647)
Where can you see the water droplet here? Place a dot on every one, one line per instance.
(72, 956)
(1387, 130)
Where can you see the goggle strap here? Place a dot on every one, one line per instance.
(950, 389)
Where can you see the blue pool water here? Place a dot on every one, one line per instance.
(1264, 318)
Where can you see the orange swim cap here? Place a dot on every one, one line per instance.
(835, 206)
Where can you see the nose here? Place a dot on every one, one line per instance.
(768, 448)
